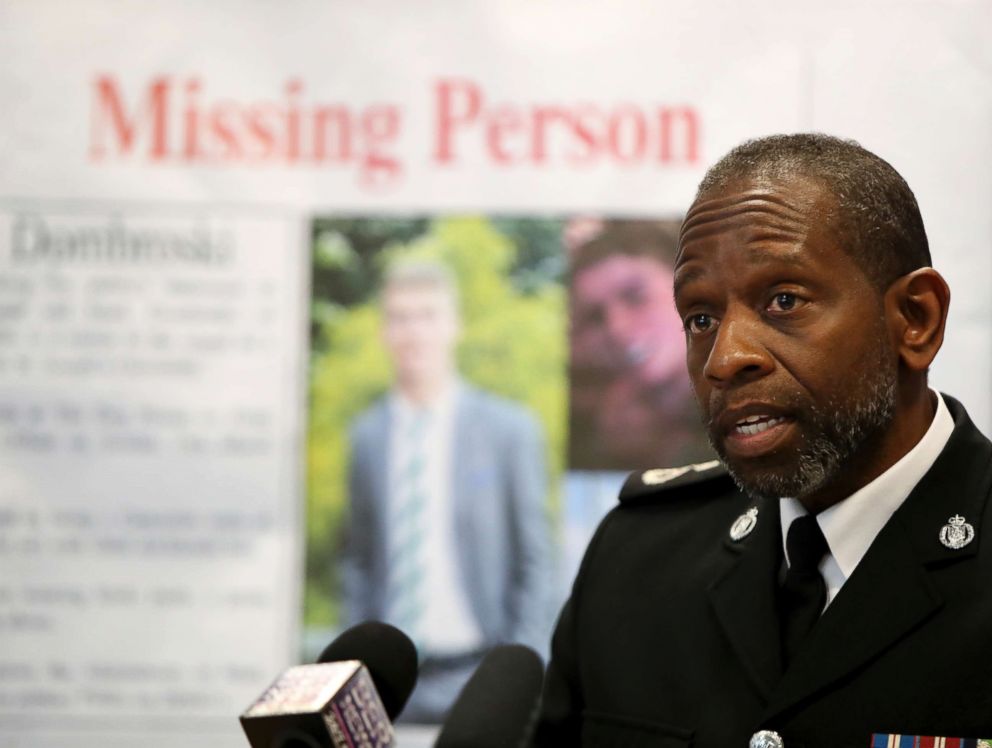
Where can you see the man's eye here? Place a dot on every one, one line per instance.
(698, 323)
(784, 302)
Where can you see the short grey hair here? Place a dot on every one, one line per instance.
(877, 221)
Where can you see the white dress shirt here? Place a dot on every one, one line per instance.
(851, 525)
(448, 625)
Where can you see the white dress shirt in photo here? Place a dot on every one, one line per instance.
(447, 625)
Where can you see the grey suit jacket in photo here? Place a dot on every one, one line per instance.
(500, 529)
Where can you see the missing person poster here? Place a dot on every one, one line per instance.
(218, 223)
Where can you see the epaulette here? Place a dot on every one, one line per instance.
(677, 482)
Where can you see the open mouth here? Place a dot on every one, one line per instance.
(757, 424)
(758, 434)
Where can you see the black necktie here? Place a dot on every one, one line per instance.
(803, 593)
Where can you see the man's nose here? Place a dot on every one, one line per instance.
(737, 353)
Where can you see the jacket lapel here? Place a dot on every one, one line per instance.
(743, 598)
(464, 444)
(896, 587)
(378, 458)
(887, 597)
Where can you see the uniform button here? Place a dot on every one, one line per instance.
(766, 739)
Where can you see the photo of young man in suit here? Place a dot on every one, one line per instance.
(447, 534)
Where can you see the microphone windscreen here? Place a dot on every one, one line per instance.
(498, 705)
(387, 653)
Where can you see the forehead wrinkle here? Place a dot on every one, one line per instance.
(759, 199)
(756, 255)
(769, 202)
(763, 230)
(706, 212)
(772, 218)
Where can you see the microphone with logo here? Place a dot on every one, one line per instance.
(498, 706)
(347, 700)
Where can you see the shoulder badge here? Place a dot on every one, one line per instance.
(657, 476)
(650, 482)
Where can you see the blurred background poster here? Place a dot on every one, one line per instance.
(224, 231)
(436, 432)
(147, 424)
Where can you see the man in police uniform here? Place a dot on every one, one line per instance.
(826, 583)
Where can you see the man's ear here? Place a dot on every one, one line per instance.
(916, 307)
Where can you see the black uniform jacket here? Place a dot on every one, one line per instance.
(670, 637)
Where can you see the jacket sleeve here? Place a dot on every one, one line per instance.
(531, 556)
(355, 566)
(560, 719)
(563, 700)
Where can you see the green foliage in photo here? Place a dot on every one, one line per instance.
(513, 343)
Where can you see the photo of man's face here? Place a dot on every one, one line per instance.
(420, 329)
(623, 314)
(631, 405)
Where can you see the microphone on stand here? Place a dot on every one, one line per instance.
(349, 698)
(498, 706)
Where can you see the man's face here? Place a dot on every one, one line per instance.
(787, 346)
(420, 330)
(622, 310)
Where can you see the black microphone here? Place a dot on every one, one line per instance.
(389, 655)
(342, 700)
(498, 706)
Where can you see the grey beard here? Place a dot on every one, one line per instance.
(833, 435)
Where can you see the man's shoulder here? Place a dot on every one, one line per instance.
(372, 418)
(698, 481)
(490, 407)
(688, 499)
(669, 518)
